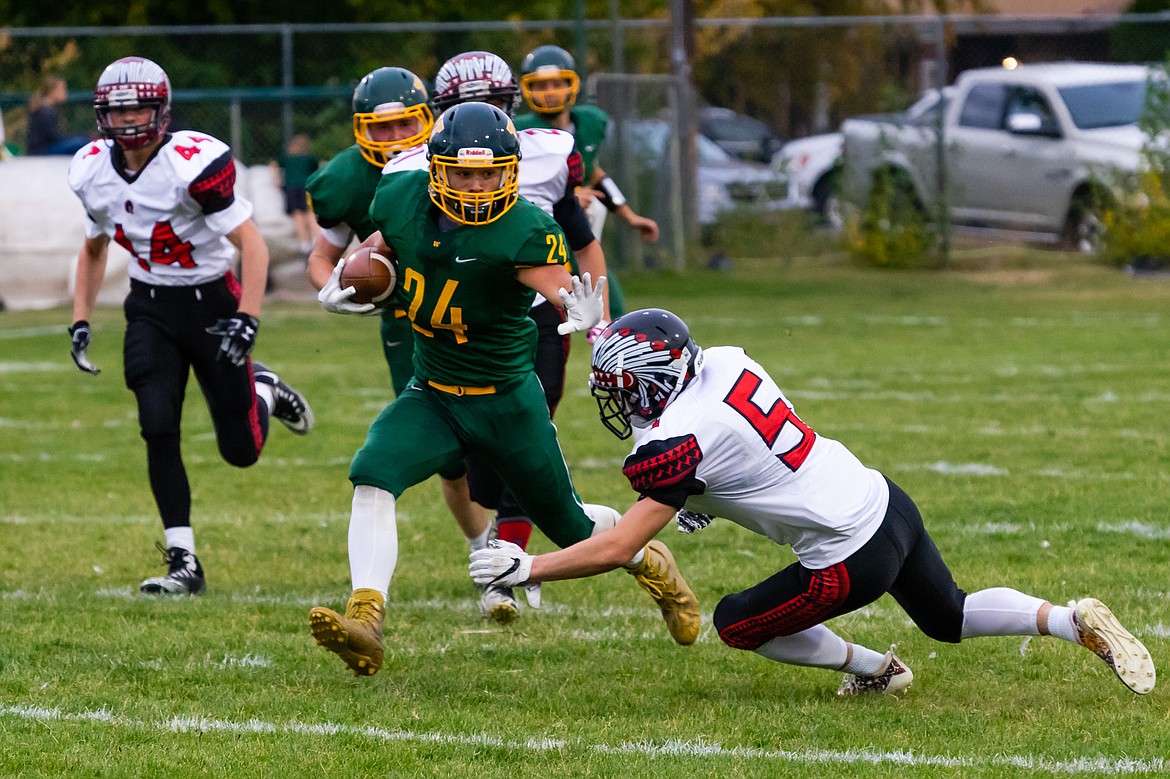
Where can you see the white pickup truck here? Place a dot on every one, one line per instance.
(1028, 149)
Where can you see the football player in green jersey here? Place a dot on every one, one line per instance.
(550, 174)
(390, 115)
(550, 86)
(471, 256)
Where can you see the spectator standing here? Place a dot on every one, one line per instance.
(293, 171)
(44, 120)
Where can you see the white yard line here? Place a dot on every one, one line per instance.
(696, 748)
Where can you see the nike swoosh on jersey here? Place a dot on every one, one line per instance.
(462, 260)
(392, 344)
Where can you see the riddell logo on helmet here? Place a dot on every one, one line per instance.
(475, 155)
(123, 95)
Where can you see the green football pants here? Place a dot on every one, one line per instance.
(398, 346)
(426, 430)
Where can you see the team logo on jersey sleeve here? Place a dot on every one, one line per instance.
(665, 464)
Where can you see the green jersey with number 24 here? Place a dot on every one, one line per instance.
(459, 286)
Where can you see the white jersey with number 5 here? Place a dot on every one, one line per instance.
(731, 446)
(172, 215)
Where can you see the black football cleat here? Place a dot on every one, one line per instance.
(184, 574)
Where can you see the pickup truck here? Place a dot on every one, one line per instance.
(811, 166)
(1034, 148)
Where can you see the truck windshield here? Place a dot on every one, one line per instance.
(1105, 105)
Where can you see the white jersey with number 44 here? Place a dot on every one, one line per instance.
(730, 445)
(172, 215)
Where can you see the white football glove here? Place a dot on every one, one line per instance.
(503, 564)
(335, 300)
(584, 306)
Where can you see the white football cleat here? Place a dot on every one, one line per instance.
(1102, 634)
(499, 604)
(895, 677)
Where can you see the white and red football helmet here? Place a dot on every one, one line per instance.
(641, 361)
(133, 82)
(476, 76)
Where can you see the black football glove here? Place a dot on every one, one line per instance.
(239, 336)
(79, 331)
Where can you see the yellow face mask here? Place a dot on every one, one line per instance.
(368, 125)
(550, 90)
(475, 187)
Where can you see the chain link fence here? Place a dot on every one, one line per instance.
(257, 85)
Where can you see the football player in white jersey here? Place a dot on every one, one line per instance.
(169, 200)
(550, 172)
(715, 436)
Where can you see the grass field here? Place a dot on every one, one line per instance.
(1024, 407)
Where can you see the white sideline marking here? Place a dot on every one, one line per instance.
(672, 748)
(1085, 474)
(1135, 528)
(31, 332)
(471, 606)
(32, 367)
(247, 661)
(962, 469)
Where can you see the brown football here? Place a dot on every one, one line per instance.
(372, 275)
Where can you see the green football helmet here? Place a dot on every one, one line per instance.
(385, 96)
(474, 155)
(549, 80)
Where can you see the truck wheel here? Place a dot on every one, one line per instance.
(1085, 227)
(827, 202)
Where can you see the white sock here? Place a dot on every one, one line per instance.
(264, 394)
(1061, 625)
(182, 537)
(604, 517)
(816, 647)
(1000, 611)
(480, 541)
(636, 561)
(865, 662)
(373, 539)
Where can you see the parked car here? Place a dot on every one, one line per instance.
(1035, 149)
(812, 165)
(724, 182)
(739, 135)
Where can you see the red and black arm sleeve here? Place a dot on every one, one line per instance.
(667, 470)
(215, 188)
(576, 170)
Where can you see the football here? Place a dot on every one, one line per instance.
(372, 275)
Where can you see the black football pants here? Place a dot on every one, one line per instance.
(165, 339)
(900, 559)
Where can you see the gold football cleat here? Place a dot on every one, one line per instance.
(356, 637)
(658, 575)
